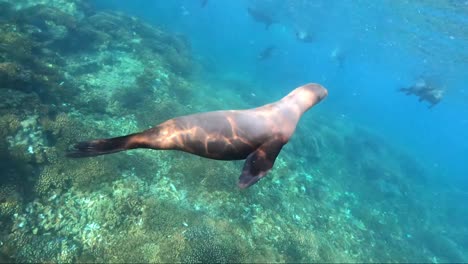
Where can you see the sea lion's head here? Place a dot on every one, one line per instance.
(306, 96)
(311, 92)
(317, 90)
(438, 94)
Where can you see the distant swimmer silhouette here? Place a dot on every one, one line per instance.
(339, 56)
(261, 17)
(266, 53)
(203, 3)
(256, 134)
(425, 92)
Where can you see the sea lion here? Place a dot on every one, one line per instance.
(203, 3)
(266, 53)
(261, 17)
(339, 56)
(425, 92)
(256, 134)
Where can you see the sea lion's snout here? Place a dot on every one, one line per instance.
(319, 90)
(322, 93)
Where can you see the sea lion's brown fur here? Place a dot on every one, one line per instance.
(256, 134)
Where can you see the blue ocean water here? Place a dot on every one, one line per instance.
(386, 45)
(370, 175)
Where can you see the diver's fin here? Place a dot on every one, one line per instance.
(102, 146)
(259, 162)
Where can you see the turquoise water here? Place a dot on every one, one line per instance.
(370, 175)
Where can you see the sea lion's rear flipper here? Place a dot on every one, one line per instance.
(104, 146)
(407, 91)
(259, 162)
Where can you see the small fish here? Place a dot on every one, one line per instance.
(304, 36)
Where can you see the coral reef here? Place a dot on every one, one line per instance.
(25, 65)
(10, 201)
(204, 246)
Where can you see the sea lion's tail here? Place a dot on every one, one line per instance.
(405, 90)
(102, 146)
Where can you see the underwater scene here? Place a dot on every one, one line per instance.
(366, 161)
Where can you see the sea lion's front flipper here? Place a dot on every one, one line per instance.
(259, 162)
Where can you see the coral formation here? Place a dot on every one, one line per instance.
(10, 201)
(204, 246)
